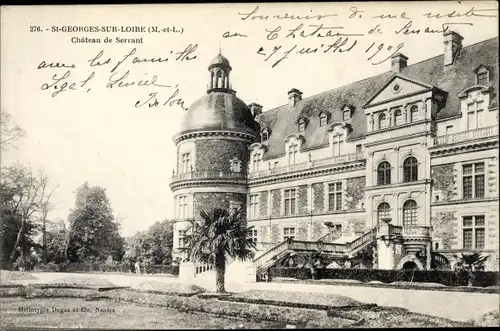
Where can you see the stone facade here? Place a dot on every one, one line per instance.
(303, 202)
(302, 231)
(355, 192)
(275, 233)
(276, 203)
(210, 200)
(263, 201)
(216, 154)
(318, 197)
(444, 181)
(445, 227)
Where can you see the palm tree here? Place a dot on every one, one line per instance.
(469, 263)
(220, 235)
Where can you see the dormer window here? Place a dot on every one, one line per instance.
(323, 119)
(346, 113)
(482, 76)
(302, 125)
(264, 135)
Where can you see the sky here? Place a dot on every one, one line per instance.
(96, 134)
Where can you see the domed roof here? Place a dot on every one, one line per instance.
(219, 60)
(219, 111)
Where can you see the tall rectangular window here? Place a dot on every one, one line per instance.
(290, 200)
(359, 148)
(288, 233)
(182, 206)
(338, 145)
(475, 115)
(473, 232)
(335, 196)
(186, 163)
(254, 206)
(292, 153)
(473, 180)
(257, 158)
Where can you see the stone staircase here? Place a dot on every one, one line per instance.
(340, 250)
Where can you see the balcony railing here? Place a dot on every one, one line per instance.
(489, 131)
(209, 174)
(416, 231)
(307, 165)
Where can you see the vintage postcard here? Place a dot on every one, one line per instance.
(250, 165)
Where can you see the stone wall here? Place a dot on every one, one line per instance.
(275, 233)
(302, 231)
(302, 199)
(356, 226)
(444, 180)
(318, 197)
(445, 228)
(355, 192)
(216, 154)
(263, 233)
(210, 200)
(263, 198)
(276, 203)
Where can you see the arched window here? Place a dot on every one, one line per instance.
(410, 170)
(384, 173)
(398, 117)
(413, 113)
(383, 212)
(409, 213)
(436, 246)
(382, 121)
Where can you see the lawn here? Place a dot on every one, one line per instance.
(108, 314)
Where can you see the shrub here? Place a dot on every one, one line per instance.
(445, 277)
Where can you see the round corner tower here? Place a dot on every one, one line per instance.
(212, 152)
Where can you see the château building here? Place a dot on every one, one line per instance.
(402, 165)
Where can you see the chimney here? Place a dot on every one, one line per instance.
(255, 108)
(294, 96)
(452, 46)
(398, 62)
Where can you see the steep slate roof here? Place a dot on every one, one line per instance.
(452, 79)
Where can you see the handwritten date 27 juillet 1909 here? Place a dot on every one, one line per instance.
(120, 76)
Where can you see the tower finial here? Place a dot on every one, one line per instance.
(220, 48)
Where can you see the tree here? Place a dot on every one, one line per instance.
(25, 200)
(93, 233)
(469, 263)
(153, 246)
(10, 131)
(220, 235)
(55, 245)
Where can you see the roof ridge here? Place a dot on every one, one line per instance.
(383, 73)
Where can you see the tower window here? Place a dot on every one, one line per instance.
(186, 163)
(346, 115)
